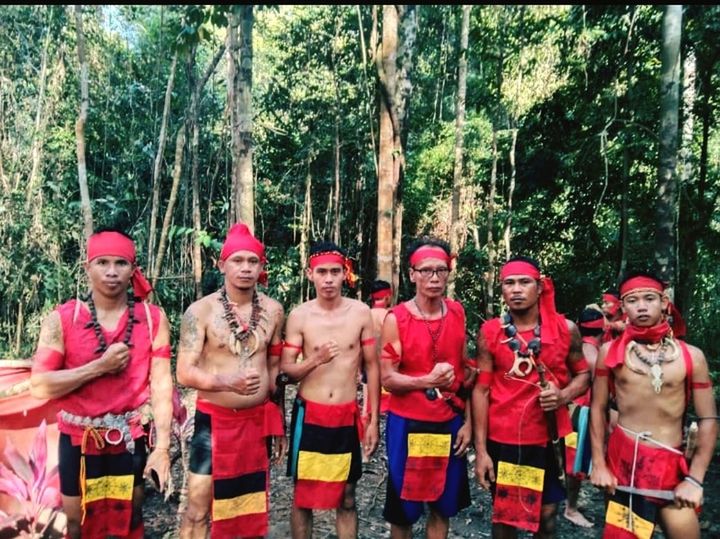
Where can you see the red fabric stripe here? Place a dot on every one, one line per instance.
(517, 506)
(368, 342)
(701, 385)
(163, 351)
(484, 378)
(424, 479)
(388, 352)
(581, 365)
(601, 372)
(332, 415)
(570, 453)
(253, 525)
(47, 359)
(292, 346)
(613, 532)
(318, 494)
(380, 294)
(275, 349)
(107, 517)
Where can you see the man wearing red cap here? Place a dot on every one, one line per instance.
(531, 366)
(105, 359)
(645, 468)
(334, 334)
(428, 423)
(229, 351)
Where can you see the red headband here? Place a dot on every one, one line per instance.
(637, 284)
(593, 324)
(380, 294)
(519, 267)
(429, 251)
(333, 257)
(610, 298)
(239, 238)
(115, 244)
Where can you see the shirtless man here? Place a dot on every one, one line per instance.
(334, 335)
(229, 351)
(654, 376)
(381, 296)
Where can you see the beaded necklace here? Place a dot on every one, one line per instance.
(240, 337)
(524, 359)
(433, 393)
(95, 324)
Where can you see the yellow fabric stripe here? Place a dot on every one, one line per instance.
(617, 515)
(247, 504)
(315, 466)
(518, 475)
(117, 487)
(571, 440)
(421, 444)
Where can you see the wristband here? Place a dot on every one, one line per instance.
(690, 479)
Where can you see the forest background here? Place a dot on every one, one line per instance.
(584, 136)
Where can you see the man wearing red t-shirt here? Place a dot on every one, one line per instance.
(428, 431)
(105, 360)
(531, 366)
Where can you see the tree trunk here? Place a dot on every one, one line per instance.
(305, 226)
(366, 83)
(157, 168)
(665, 213)
(490, 281)
(177, 173)
(85, 206)
(240, 61)
(40, 121)
(337, 191)
(457, 227)
(511, 191)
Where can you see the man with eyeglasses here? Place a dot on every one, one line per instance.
(531, 366)
(428, 431)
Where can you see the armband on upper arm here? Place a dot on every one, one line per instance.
(47, 359)
(368, 342)
(388, 352)
(579, 366)
(702, 385)
(163, 352)
(275, 349)
(484, 378)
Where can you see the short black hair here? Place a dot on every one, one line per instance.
(379, 284)
(520, 258)
(589, 314)
(112, 229)
(326, 247)
(423, 241)
(640, 273)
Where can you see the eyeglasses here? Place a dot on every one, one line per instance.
(427, 273)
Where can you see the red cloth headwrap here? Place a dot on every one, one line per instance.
(334, 257)
(429, 251)
(639, 283)
(110, 243)
(519, 267)
(380, 294)
(593, 324)
(614, 301)
(239, 238)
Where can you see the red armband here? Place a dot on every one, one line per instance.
(601, 372)
(47, 359)
(275, 349)
(471, 362)
(702, 385)
(388, 352)
(579, 366)
(292, 346)
(368, 342)
(484, 378)
(163, 351)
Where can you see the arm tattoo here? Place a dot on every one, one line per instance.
(51, 333)
(576, 352)
(188, 330)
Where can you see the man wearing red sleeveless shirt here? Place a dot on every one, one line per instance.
(531, 366)
(428, 429)
(645, 469)
(105, 359)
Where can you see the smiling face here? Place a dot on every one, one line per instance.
(644, 308)
(430, 277)
(328, 279)
(109, 275)
(241, 269)
(520, 292)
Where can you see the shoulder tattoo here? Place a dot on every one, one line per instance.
(188, 330)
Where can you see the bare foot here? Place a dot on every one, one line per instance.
(577, 518)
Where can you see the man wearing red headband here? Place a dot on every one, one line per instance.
(531, 366)
(614, 319)
(105, 359)
(334, 335)
(229, 351)
(428, 422)
(646, 470)
(381, 298)
(577, 443)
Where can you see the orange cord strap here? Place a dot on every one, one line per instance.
(90, 432)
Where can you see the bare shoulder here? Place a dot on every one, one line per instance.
(51, 332)
(571, 325)
(697, 355)
(273, 307)
(299, 313)
(357, 306)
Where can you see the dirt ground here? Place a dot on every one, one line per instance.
(474, 522)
